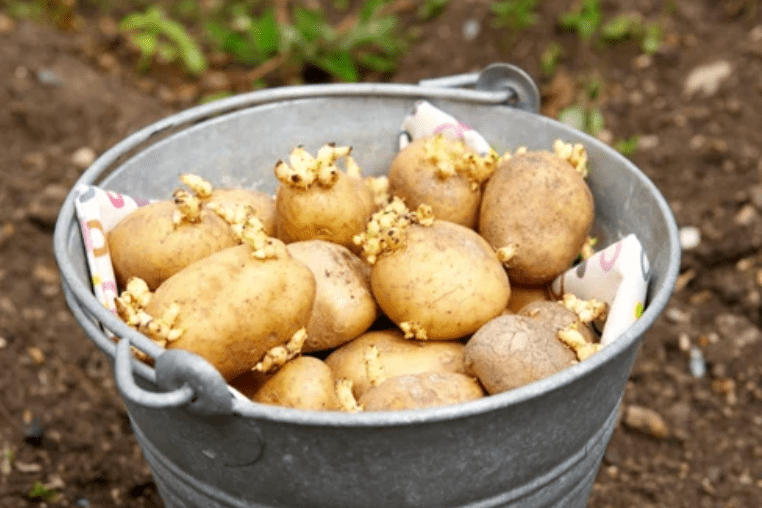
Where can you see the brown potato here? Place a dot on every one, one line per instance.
(442, 284)
(302, 383)
(344, 304)
(231, 308)
(444, 174)
(539, 206)
(419, 391)
(393, 356)
(148, 243)
(511, 351)
(558, 317)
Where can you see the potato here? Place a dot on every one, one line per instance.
(435, 279)
(512, 350)
(444, 174)
(153, 242)
(522, 294)
(558, 317)
(344, 305)
(261, 204)
(418, 391)
(316, 200)
(382, 354)
(538, 211)
(302, 383)
(233, 306)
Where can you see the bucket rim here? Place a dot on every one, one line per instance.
(83, 296)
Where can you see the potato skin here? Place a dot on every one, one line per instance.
(419, 391)
(335, 214)
(147, 244)
(522, 295)
(414, 179)
(234, 307)
(262, 203)
(344, 304)
(557, 317)
(511, 351)
(396, 356)
(539, 203)
(446, 278)
(302, 383)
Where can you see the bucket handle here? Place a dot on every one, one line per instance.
(498, 77)
(189, 380)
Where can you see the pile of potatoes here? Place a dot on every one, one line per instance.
(423, 288)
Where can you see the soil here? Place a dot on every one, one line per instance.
(691, 428)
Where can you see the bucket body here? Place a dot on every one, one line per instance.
(536, 446)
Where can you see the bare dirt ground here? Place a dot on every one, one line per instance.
(66, 96)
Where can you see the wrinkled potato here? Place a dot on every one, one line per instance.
(379, 355)
(344, 304)
(512, 350)
(435, 279)
(419, 391)
(537, 211)
(302, 383)
(234, 306)
(444, 174)
(558, 317)
(157, 240)
(316, 200)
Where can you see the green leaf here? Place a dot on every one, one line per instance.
(618, 28)
(369, 9)
(40, 492)
(627, 147)
(595, 122)
(339, 65)
(652, 39)
(378, 63)
(574, 116)
(265, 33)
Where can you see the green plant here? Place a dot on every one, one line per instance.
(515, 14)
(583, 118)
(629, 146)
(430, 9)
(40, 492)
(550, 57)
(250, 40)
(156, 36)
(584, 20)
(633, 26)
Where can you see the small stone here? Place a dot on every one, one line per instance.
(108, 62)
(215, 81)
(746, 215)
(34, 434)
(83, 157)
(696, 364)
(7, 25)
(37, 355)
(646, 421)
(648, 142)
(46, 274)
(82, 502)
(690, 237)
(471, 29)
(49, 78)
(707, 78)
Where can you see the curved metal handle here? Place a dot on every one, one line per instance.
(189, 380)
(522, 91)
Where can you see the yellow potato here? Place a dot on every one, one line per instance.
(443, 283)
(231, 308)
(302, 383)
(378, 355)
(261, 204)
(419, 391)
(152, 244)
(522, 294)
(344, 305)
(558, 317)
(444, 174)
(538, 210)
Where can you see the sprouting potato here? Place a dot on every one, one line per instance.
(523, 294)
(444, 174)
(344, 304)
(316, 200)
(381, 354)
(419, 391)
(302, 383)
(171, 236)
(435, 279)
(558, 317)
(232, 307)
(537, 211)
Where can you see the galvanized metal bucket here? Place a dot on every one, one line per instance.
(537, 446)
